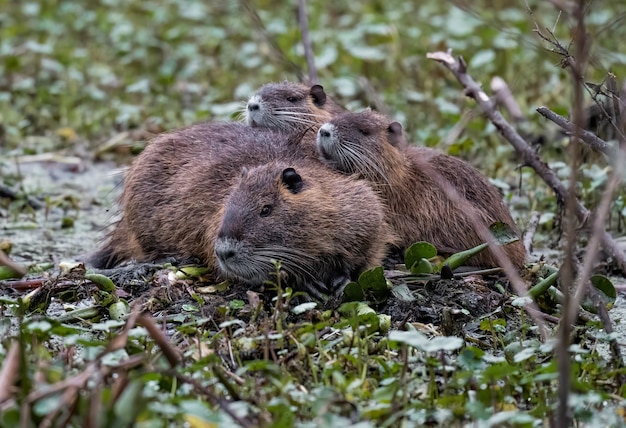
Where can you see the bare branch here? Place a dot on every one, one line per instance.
(529, 156)
(590, 138)
(505, 98)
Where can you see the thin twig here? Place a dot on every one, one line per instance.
(303, 20)
(531, 228)
(275, 50)
(590, 138)
(504, 97)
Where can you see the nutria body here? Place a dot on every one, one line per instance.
(325, 228)
(185, 184)
(293, 108)
(419, 209)
(168, 167)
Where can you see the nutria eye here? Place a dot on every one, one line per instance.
(266, 210)
(364, 132)
(292, 99)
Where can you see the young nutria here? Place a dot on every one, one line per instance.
(291, 107)
(373, 147)
(325, 228)
(169, 164)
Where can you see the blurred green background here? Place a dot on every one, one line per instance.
(75, 73)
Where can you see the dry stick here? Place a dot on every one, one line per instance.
(504, 97)
(6, 261)
(590, 138)
(9, 371)
(531, 228)
(530, 157)
(303, 20)
(276, 51)
(596, 232)
(567, 270)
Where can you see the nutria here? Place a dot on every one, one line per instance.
(167, 166)
(325, 228)
(176, 193)
(292, 107)
(373, 147)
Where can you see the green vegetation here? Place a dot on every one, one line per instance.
(78, 78)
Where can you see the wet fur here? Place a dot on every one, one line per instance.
(418, 207)
(326, 233)
(176, 193)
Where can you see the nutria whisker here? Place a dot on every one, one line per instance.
(364, 160)
(293, 259)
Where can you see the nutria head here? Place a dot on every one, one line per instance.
(366, 143)
(289, 106)
(324, 228)
(250, 235)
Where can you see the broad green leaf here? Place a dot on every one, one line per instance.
(418, 251)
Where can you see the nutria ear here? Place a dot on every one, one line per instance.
(318, 95)
(292, 180)
(395, 134)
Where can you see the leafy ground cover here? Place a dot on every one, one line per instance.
(83, 84)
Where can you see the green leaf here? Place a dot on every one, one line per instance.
(8, 273)
(458, 259)
(353, 292)
(402, 292)
(543, 285)
(119, 310)
(103, 282)
(606, 291)
(373, 279)
(503, 233)
(418, 251)
(423, 266)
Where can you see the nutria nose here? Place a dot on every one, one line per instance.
(253, 106)
(225, 250)
(224, 253)
(324, 133)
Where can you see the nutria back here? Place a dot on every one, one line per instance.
(170, 163)
(325, 228)
(372, 147)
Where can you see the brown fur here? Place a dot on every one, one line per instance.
(371, 146)
(326, 228)
(157, 177)
(176, 190)
(292, 107)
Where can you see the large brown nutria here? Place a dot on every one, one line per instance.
(292, 107)
(168, 165)
(325, 228)
(176, 193)
(373, 147)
